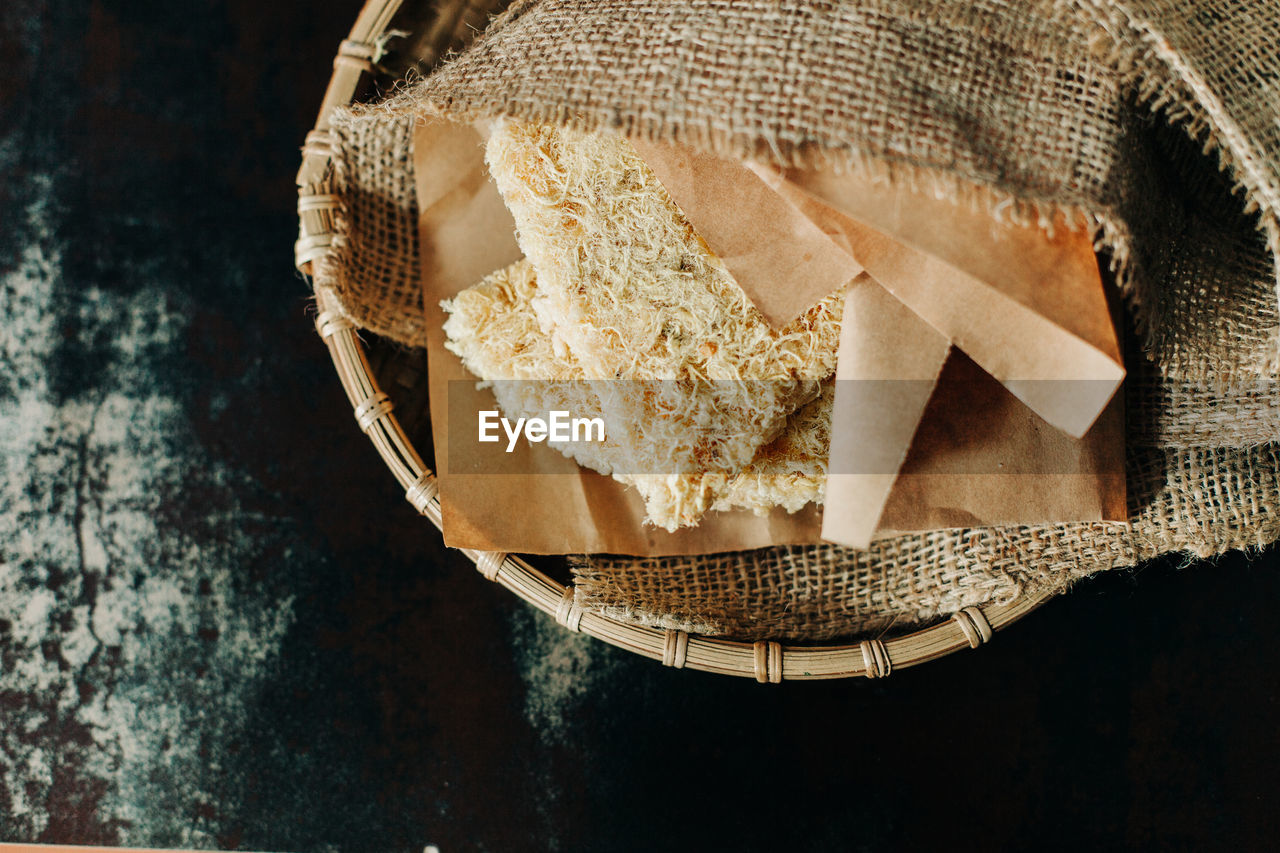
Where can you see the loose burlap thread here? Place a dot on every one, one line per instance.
(1151, 122)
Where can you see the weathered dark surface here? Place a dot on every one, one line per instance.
(220, 624)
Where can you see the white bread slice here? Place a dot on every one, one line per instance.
(493, 329)
(629, 290)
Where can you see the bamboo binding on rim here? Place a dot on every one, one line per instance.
(357, 62)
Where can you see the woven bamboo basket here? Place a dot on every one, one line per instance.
(395, 39)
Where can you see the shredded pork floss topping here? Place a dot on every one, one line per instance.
(492, 327)
(626, 289)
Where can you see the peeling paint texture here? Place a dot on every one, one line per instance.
(126, 623)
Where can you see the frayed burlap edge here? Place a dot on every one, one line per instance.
(1199, 502)
(1141, 56)
(372, 265)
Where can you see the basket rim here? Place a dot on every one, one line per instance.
(767, 661)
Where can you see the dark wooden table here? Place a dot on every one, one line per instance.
(221, 625)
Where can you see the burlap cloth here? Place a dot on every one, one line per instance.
(1156, 123)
